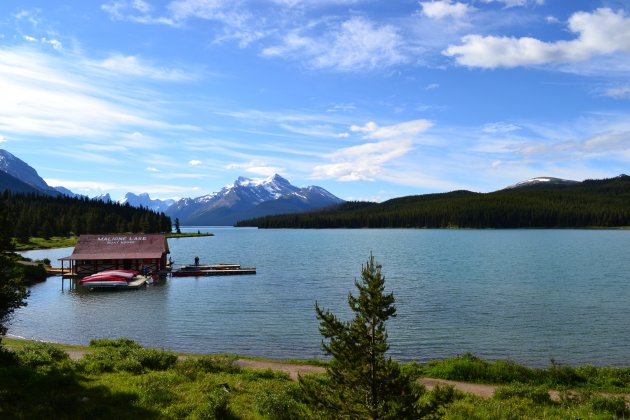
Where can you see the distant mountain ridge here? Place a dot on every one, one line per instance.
(247, 198)
(244, 199)
(533, 204)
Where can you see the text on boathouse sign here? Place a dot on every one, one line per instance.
(117, 240)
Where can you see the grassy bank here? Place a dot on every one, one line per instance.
(120, 379)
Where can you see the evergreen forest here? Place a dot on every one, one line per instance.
(591, 203)
(32, 215)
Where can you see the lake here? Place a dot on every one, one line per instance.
(526, 295)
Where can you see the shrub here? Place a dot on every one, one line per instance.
(538, 395)
(218, 364)
(281, 403)
(41, 356)
(215, 407)
(156, 389)
(433, 404)
(125, 343)
(125, 355)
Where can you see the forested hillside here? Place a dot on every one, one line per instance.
(44, 216)
(592, 203)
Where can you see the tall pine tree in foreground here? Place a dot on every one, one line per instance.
(361, 381)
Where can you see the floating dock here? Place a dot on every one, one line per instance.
(212, 270)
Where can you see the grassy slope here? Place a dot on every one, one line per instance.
(130, 382)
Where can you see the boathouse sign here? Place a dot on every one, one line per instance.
(119, 240)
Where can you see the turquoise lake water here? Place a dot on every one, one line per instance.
(526, 295)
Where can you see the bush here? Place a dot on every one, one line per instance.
(124, 355)
(280, 404)
(215, 407)
(41, 356)
(433, 404)
(538, 395)
(218, 364)
(122, 343)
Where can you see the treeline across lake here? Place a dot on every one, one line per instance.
(592, 203)
(44, 216)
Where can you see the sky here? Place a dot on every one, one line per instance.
(370, 99)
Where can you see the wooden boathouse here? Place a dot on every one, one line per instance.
(94, 253)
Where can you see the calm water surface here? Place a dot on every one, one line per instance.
(528, 295)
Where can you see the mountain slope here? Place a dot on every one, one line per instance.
(591, 203)
(248, 198)
(19, 169)
(11, 183)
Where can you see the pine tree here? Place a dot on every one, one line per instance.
(177, 228)
(361, 381)
(13, 293)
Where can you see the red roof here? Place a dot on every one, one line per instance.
(119, 247)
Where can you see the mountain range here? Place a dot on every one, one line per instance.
(245, 198)
(248, 198)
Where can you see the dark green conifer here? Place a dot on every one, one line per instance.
(361, 381)
(13, 293)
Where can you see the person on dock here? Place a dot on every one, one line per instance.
(196, 260)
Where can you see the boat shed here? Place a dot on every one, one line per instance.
(94, 253)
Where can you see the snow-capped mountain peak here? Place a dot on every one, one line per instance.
(240, 200)
(542, 181)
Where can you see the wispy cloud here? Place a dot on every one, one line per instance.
(362, 163)
(603, 32)
(51, 95)
(619, 92)
(408, 129)
(257, 168)
(356, 44)
(135, 66)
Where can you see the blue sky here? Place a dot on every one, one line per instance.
(370, 99)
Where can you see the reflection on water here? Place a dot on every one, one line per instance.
(528, 295)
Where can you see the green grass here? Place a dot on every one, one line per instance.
(119, 379)
(469, 368)
(41, 243)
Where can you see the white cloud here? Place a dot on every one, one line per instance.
(621, 92)
(356, 44)
(256, 167)
(364, 162)
(56, 95)
(2, 139)
(603, 32)
(408, 129)
(134, 66)
(195, 162)
(515, 3)
(431, 86)
(440, 9)
(52, 42)
(152, 169)
(500, 128)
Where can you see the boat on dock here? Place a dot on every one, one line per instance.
(197, 270)
(114, 279)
